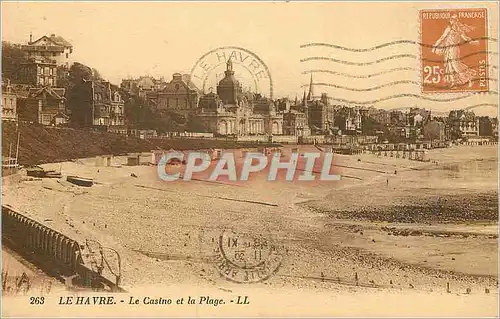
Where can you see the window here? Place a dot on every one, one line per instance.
(46, 118)
(41, 70)
(67, 55)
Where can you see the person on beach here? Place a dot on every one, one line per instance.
(448, 45)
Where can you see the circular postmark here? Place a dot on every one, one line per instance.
(247, 258)
(252, 73)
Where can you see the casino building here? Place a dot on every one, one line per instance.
(231, 111)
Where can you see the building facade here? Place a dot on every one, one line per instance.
(178, 96)
(53, 48)
(234, 112)
(107, 103)
(40, 72)
(348, 120)
(434, 130)
(9, 102)
(320, 113)
(488, 126)
(46, 106)
(462, 124)
(295, 123)
(321, 116)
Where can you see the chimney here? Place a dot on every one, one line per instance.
(53, 35)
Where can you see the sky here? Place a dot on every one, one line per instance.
(130, 39)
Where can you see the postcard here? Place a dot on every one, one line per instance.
(249, 159)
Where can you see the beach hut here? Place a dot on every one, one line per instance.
(133, 160)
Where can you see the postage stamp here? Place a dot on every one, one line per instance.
(247, 258)
(454, 50)
(250, 70)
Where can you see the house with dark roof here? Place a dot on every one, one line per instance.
(144, 86)
(54, 48)
(107, 103)
(177, 95)
(45, 105)
(462, 123)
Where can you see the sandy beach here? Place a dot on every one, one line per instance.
(390, 226)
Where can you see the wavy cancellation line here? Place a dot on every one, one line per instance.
(374, 88)
(392, 57)
(480, 105)
(465, 108)
(367, 76)
(396, 96)
(387, 44)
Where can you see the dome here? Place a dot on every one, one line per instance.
(229, 80)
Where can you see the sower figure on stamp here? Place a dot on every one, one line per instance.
(448, 45)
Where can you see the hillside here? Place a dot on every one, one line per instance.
(39, 144)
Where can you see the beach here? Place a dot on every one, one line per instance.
(389, 226)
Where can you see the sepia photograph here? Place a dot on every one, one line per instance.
(249, 159)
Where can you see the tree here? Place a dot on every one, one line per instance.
(12, 60)
(96, 75)
(78, 93)
(79, 72)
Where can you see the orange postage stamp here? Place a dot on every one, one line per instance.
(454, 50)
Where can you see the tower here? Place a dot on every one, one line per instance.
(305, 107)
(310, 96)
(229, 88)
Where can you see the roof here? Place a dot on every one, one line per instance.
(60, 41)
(61, 115)
(21, 90)
(467, 115)
(57, 93)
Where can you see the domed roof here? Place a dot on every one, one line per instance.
(229, 79)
